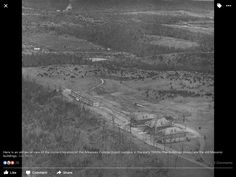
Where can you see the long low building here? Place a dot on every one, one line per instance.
(171, 135)
(77, 96)
(144, 115)
(159, 123)
(173, 138)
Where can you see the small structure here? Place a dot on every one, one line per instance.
(77, 96)
(96, 104)
(172, 130)
(171, 135)
(36, 49)
(66, 93)
(144, 115)
(97, 59)
(139, 105)
(68, 8)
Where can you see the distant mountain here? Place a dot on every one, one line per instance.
(110, 1)
(160, 4)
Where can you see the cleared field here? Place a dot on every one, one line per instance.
(193, 28)
(169, 42)
(173, 13)
(60, 42)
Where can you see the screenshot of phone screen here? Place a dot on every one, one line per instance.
(118, 88)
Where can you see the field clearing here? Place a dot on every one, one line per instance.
(61, 24)
(193, 28)
(163, 83)
(60, 42)
(207, 14)
(169, 42)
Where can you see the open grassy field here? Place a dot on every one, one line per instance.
(169, 42)
(61, 43)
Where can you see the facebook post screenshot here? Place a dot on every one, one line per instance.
(117, 88)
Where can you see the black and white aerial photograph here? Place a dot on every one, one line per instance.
(118, 88)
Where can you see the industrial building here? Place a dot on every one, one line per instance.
(171, 135)
(161, 128)
(159, 123)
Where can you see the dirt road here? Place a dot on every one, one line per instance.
(100, 84)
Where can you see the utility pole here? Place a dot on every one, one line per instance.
(113, 121)
(184, 121)
(184, 131)
(176, 158)
(103, 135)
(132, 119)
(119, 135)
(164, 142)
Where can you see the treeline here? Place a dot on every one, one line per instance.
(205, 41)
(35, 60)
(158, 95)
(186, 62)
(200, 62)
(166, 19)
(158, 4)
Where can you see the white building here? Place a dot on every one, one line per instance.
(69, 7)
(158, 123)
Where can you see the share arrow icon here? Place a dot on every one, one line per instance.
(219, 5)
